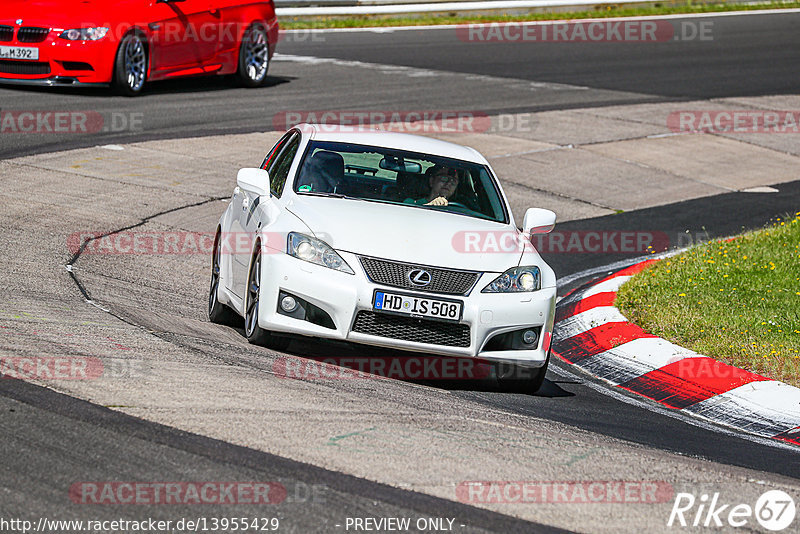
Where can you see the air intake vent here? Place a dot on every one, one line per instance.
(24, 67)
(77, 65)
(411, 329)
(32, 35)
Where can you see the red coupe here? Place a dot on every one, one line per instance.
(128, 42)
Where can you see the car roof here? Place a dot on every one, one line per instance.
(381, 138)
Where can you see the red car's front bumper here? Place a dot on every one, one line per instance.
(61, 62)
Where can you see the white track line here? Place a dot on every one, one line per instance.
(389, 29)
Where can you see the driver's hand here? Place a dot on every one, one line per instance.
(438, 201)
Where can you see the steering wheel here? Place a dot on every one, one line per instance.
(457, 204)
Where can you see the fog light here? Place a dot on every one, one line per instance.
(529, 337)
(288, 304)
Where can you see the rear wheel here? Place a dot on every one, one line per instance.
(516, 379)
(253, 56)
(254, 333)
(130, 67)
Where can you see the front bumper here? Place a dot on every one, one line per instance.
(62, 63)
(56, 81)
(343, 295)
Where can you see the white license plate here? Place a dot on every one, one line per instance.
(19, 52)
(417, 306)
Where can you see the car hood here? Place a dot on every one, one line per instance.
(404, 233)
(61, 13)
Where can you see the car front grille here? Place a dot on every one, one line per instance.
(30, 34)
(396, 274)
(24, 67)
(411, 329)
(6, 33)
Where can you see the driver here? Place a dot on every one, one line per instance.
(443, 182)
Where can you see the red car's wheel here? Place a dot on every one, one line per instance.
(130, 67)
(254, 56)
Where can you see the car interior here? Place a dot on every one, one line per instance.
(370, 173)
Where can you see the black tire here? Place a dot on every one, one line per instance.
(130, 66)
(253, 56)
(254, 333)
(217, 311)
(515, 379)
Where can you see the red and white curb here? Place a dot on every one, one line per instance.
(590, 333)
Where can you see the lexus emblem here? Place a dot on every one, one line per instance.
(19, 22)
(419, 277)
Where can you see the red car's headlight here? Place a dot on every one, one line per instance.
(84, 34)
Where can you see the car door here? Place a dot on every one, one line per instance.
(184, 36)
(249, 216)
(229, 13)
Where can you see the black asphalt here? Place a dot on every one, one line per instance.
(52, 441)
(746, 55)
(736, 56)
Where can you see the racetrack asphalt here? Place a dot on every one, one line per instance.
(747, 56)
(188, 355)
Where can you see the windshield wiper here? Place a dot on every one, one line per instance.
(319, 194)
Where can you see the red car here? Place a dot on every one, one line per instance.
(128, 42)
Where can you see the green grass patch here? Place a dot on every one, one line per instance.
(736, 301)
(368, 21)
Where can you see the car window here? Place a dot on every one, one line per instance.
(270, 159)
(279, 170)
(400, 177)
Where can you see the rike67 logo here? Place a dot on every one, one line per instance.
(774, 510)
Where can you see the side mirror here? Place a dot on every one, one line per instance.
(254, 181)
(538, 221)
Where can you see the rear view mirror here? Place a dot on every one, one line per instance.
(538, 221)
(398, 165)
(254, 181)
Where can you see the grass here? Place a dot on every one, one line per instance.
(737, 301)
(365, 21)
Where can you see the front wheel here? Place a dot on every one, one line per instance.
(253, 57)
(254, 333)
(217, 311)
(517, 379)
(130, 67)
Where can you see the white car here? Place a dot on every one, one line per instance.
(359, 236)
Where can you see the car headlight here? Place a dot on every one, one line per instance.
(313, 250)
(516, 280)
(84, 34)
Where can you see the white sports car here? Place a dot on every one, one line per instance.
(381, 239)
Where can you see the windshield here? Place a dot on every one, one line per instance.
(398, 177)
